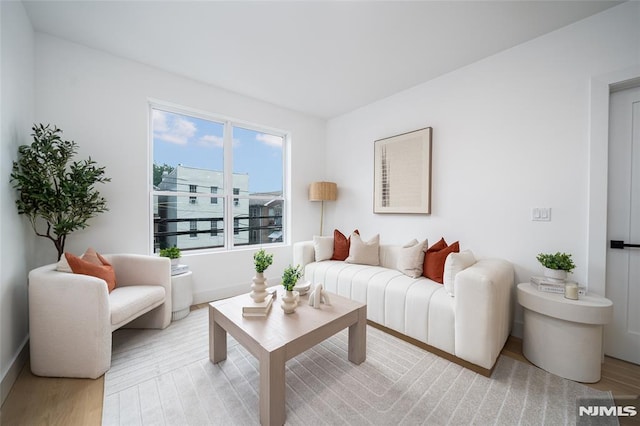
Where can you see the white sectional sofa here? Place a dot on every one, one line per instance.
(472, 325)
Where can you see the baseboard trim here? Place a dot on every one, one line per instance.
(220, 293)
(13, 371)
(446, 355)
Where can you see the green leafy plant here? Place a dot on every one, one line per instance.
(170, 252)
(561, 261)
(262, 260)
(291, 276)
(57, 195)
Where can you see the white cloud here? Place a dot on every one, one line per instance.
(159, 121)
(270, 140)
(211, 141)
(172, 128)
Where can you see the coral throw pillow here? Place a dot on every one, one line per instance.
(92, 264)
(341, 245)
(435, 257)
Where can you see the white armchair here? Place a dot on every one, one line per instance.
(72, 316)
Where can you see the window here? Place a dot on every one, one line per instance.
(197, 201)
(193, 189)
(236, 201)
(214, 191)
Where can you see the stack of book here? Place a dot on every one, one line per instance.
(260, 309)
(179, 269)
(553, 286)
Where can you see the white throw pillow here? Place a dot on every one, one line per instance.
(323, 247)
(364, 252)
(455, 263)
(411, 258)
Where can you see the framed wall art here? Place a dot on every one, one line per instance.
(402, 168)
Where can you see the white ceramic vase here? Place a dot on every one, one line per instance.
(555, 274)
(289, 302)
(259, 288)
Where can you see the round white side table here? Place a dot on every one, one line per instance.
(564, 336)
(181, 295)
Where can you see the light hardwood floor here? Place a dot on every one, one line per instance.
(45, 401)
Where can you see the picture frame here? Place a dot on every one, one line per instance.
(402, 173)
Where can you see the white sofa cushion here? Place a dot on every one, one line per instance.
(364, 252)
(455, 263)
(323, 248)
(130, 302)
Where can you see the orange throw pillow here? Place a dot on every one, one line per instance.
(341, 245)
(435, 257)
(87, 266)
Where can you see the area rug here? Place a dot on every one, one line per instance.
(164, 377)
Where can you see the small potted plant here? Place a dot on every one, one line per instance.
(290, 277)
(262, 260)
(557, 265)
(172, 253)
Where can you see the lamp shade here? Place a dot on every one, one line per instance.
(323, 191)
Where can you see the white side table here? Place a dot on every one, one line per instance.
(564, 336)
(181, 295)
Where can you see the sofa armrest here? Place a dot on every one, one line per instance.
(69, 324)
(483, 309)
(303, 253)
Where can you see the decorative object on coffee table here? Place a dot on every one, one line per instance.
(319, 295)
(261, 260)
(290, 277)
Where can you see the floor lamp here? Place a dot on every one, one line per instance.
(323, 191)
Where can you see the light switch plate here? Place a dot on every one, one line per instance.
(541, 214)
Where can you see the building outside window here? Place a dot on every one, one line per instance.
(193, 189)
(214, 191)
(191, 184)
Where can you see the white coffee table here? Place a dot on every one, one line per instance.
(278, 337)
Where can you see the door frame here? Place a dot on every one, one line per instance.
(601, 87)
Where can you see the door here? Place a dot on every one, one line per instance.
(622, 336)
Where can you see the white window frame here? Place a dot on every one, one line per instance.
(227, 194)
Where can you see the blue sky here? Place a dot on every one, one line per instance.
(194, 142)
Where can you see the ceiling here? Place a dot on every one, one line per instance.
(321, 58)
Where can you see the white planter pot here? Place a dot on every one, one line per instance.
(555, 274)
(259, 288)
(289, 302)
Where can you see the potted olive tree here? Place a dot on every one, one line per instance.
(557, 265)
(57, 194)
(262, 260)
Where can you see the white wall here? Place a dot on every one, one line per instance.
(101, 102)
(16, 237)
(510, 133)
